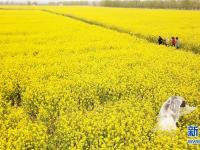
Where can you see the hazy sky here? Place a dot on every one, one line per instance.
(39, 1)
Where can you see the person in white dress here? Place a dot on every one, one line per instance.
(170, 112)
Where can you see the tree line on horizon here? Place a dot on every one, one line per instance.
(164, 4)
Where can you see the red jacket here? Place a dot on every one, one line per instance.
(173, 42)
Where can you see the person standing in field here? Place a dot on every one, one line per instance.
(173, 41)
(165, 41)
(177, 43)
(160, 40)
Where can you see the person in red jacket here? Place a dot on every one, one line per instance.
(173, 41)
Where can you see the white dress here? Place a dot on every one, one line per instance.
(171, 111)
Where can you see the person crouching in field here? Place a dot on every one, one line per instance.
(177, 43)
(160, 40)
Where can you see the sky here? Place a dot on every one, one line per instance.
(40, 1)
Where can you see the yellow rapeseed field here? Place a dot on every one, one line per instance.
(65, 84)
(146, 23)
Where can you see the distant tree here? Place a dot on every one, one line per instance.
(35, 3)
(28, 2)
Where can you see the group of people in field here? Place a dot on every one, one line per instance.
(164, 41)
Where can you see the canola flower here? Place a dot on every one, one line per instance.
(65, 84)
